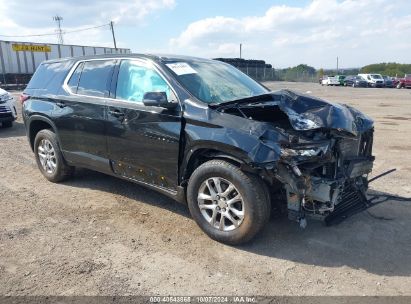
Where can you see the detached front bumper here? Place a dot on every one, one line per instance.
(327, 199)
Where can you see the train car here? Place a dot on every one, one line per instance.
(19, 60)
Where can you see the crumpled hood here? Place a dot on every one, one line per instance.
(308, 113)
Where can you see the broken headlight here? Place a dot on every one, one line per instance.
(306, 150)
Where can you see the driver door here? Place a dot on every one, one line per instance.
(143, 141)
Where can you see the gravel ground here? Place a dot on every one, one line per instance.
(97, 235)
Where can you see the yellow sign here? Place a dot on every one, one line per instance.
(31, 48)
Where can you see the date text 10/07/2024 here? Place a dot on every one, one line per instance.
(202, 299)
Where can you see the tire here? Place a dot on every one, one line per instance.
(255, 203)
(353, 84)
(52, 165)
(7, 124)
(399, 86)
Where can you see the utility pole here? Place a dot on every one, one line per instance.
(58, 20)
(337, 64)
(112, 32)
(240, 49)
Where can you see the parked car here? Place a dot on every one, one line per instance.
(404, 82)
(373, 80)
(340, 79)
(388, 81)
(203, 133)
(355, 81)
(8, 112)
(330, 80)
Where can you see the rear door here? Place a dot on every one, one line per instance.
(80, 116)
(143, 141)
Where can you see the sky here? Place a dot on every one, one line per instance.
(283, 33)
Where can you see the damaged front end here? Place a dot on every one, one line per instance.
(319, 151)
(328, 179)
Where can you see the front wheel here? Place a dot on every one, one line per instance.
(399, 86)
(49, 157)
(229, 205)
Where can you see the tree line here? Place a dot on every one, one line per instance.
(388, 68)
(303, 72)
(261, 71)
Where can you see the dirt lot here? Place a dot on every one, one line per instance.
(98, 235)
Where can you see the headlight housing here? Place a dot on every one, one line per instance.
(5, 97)
(305, 150)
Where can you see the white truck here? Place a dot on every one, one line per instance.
(373, 80)
(330, 80)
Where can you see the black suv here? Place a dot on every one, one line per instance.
(203, 133)
(355, 82)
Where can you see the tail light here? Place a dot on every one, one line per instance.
(23, 97)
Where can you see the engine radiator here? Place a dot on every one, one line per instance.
(352, 201)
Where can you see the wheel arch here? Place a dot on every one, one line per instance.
(201, 155)
(36, 124)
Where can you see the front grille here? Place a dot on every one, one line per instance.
(366, 143)
(349, 147)
(4, 109)
(360, 146)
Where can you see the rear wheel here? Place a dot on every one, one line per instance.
(229, 205)
(399, 86)
(49, 157)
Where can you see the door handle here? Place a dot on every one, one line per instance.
(61, 104)
(116, 113)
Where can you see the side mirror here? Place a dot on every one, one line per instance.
(158, 99)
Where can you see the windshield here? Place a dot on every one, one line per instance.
(376, 76)
(213, 81)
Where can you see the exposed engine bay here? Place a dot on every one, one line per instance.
(323, 152)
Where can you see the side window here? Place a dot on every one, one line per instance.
(135, 79)
(95, 78)
(75, 77)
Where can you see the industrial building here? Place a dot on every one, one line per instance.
(19, 60)
(256, 69)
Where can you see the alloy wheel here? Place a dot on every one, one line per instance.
(221, 204)
(47, 156)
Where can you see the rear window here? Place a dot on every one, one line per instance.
(47, 74)
(95, 78)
